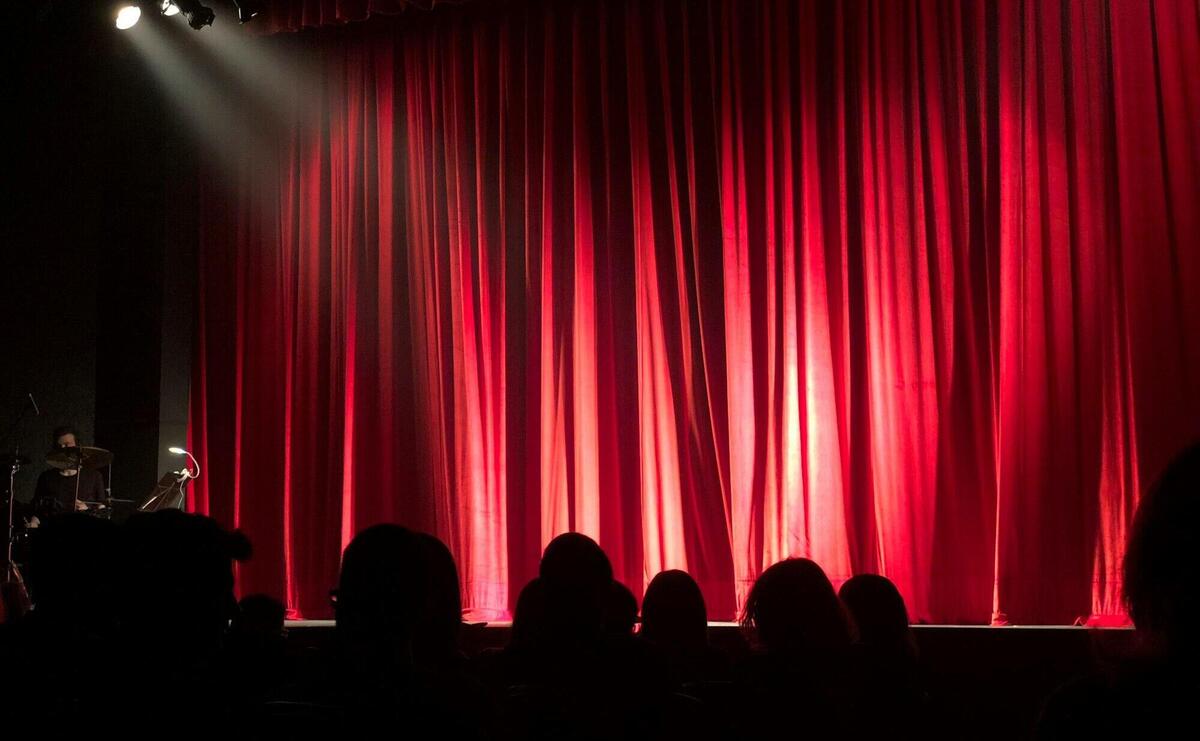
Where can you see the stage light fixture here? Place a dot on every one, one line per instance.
(169, 8)
(127, 17)
(247, 9)
(192, 458)
(198, 16)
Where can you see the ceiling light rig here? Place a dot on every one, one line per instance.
(197, 14)
(247, 9)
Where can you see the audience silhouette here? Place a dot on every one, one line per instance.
(1151, 694)
(56, 661)
(804, 666)
(620, 611)
(176, 600)
(674, 620)
(574, 677)
(396, 663)
(256, 661)
(439, 623)
(890, 684)
(529, 617)
(155, 635)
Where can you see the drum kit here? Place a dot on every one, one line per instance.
(78, 459)
(169, 493)
(65, 459)
(13, 583)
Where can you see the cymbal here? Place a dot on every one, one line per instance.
(68, 458)
(6, 459)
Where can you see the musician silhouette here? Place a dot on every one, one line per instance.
(72, 481)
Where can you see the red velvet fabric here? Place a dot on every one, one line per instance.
(906, 287)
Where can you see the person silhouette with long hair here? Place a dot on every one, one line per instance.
(1152, 694)
(802, 671)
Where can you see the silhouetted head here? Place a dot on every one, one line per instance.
(879, 613)
(178, 577)
(1162, 558)
(792, 607)
(437, 632)
(529, 619)
(673, 612)
(620, 613)
(576, 578)
(574, 562)
(71, 574)
(382, 589)
(259, 615)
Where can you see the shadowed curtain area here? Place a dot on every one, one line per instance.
(906, 287)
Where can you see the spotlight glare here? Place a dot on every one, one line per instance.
(127, 17)
(169, 8)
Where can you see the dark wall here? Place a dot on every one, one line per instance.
(90, 232)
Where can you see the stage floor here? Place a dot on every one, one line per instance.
(505, 624)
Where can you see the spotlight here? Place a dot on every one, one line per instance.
(169, 8)
(127, 17)
(198, 16)
(247, 9)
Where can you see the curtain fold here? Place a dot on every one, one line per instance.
(903, 287)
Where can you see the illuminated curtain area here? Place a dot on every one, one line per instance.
(902, 287)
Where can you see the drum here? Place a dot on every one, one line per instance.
(98, 510)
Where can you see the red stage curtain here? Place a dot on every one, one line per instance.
(907, 287)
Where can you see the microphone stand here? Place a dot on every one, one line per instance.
(12, 574)
(14, 596)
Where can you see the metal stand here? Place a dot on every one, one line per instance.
(13, 584)
(12, 574)
(78, 475)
